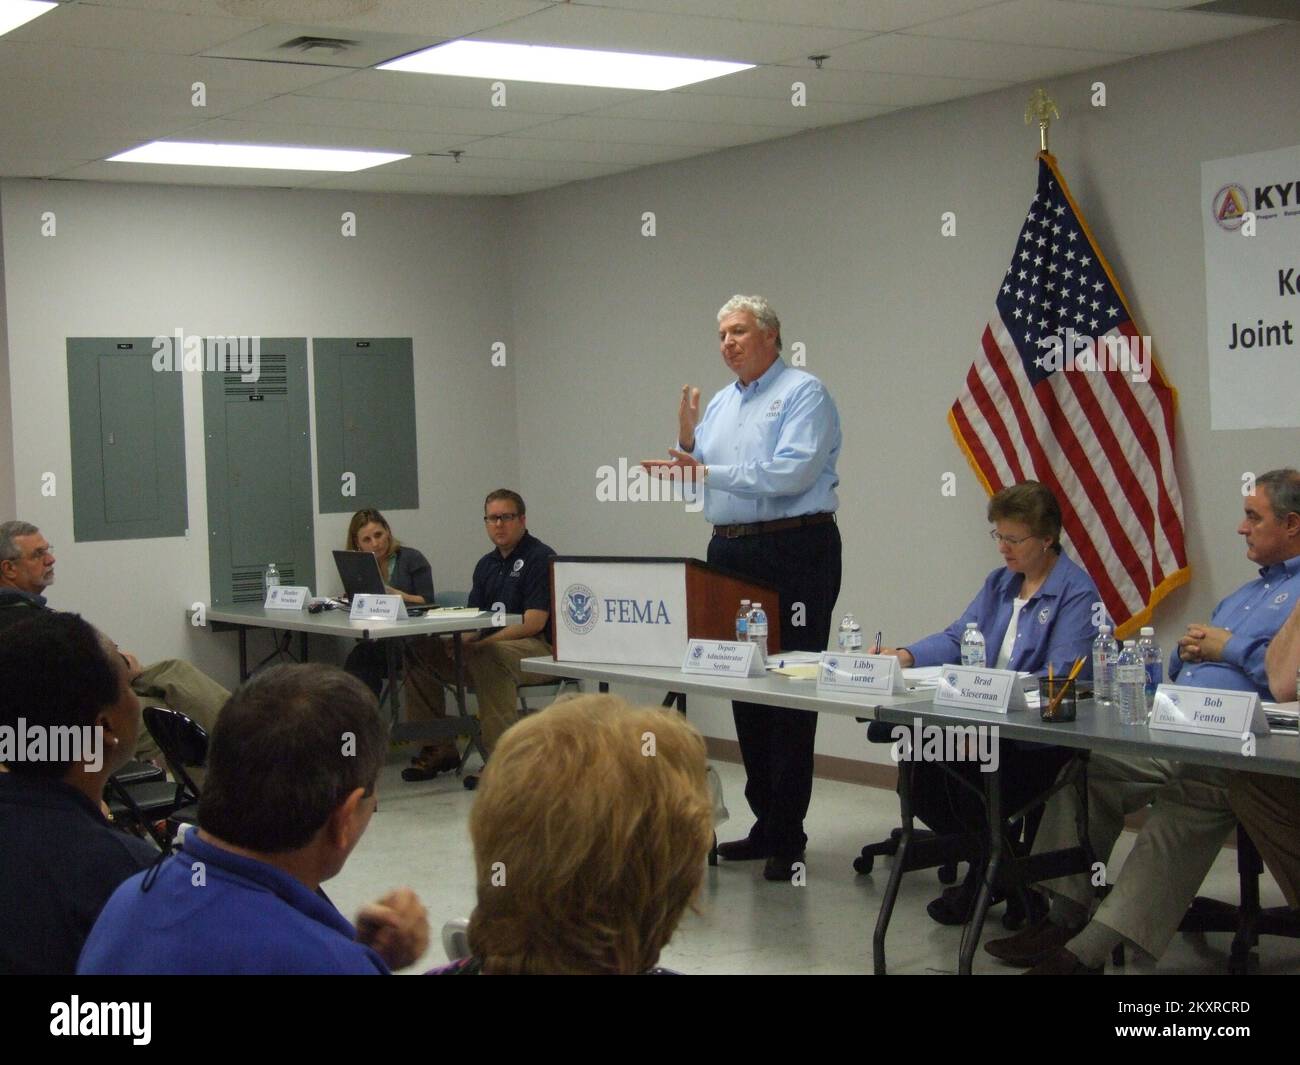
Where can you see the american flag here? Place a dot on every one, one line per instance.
(1102, 441)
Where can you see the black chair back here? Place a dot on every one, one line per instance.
(183, 742)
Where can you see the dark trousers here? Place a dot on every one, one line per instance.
(776, 743)
(368, 661)
(949, 807)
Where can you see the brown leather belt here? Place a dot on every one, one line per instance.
(732, 532)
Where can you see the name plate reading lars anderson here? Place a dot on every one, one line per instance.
(968, 688)
(723, 658)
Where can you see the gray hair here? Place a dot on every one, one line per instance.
(8, 531)
(1283, 491)
(759, 308)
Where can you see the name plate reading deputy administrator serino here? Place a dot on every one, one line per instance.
(377, 608)
(1207, 711)
(286, 597)
(860, 674)
(969, 688)
(723, 658)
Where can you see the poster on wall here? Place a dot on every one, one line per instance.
(1251, 212)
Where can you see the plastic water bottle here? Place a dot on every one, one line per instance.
(742, 622)
(1153, 661)
(757, 627)
(271, 578)
(1130, 685)
(1105, 652)
(972, 646)
(850, 636)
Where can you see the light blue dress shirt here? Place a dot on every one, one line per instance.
(770, 447)
(1253, 614)
(1055, 627)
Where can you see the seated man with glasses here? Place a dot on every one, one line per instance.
(27, 570)
(513, 578)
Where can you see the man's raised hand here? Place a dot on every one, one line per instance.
(688, 417)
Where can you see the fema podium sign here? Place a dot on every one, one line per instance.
(622, 612)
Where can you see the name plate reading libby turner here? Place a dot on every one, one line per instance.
(860, 674)
(723, 658)
(970, 688)
(1207, 711)
(377, 608)
(286, 597)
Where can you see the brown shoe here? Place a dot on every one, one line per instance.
(1062, 963)
(429, 763)
(1031, 945)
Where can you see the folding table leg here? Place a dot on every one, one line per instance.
(896, 871)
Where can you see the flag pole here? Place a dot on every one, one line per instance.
(1042, 109)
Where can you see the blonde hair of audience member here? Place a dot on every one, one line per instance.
(591, 826)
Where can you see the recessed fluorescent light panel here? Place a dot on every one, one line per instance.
(255, 156)
(562, 66)
(14, 13)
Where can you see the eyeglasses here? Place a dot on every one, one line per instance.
(1010, 541)
(498, 519)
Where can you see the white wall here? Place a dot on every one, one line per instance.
(841, 230)
(144, 260)
(6, 415)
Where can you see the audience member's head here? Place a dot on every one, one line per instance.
(590, 830)
(26, 559)
(292, 766)
(67, 685)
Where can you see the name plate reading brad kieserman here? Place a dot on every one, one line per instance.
(970, 688)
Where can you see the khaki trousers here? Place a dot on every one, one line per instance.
(1186, 829)
(178, 686)
(493, 670)
(1269, 809)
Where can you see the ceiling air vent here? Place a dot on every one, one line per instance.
(318, 47)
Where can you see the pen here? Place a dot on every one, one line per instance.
(879, 635)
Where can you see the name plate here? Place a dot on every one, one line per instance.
(723, 658)
(860, 674)
(970, 688)
(377, 608)
(286, 597)
(1207, 711)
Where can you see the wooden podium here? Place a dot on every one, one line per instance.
(643, 611)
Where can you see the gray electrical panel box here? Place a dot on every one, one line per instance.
(258, 456)
(127, 431)
(365, 424)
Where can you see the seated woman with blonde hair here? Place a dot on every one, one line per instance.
(591, 828)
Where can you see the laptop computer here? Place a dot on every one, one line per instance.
(359, 572)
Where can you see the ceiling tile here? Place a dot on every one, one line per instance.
(94, 26)
(190, 175)
(431, 185)
(739, 110)
(514, 147)
(237, 131)
(901, 53)
(473, 166)
(843, 86)
(1069, 24)
(874, 15)
(473, 93)
(660, 34)
(371, 114)
(645, 131)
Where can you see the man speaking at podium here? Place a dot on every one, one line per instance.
(764, 456)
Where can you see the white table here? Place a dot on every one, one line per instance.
(337, 624)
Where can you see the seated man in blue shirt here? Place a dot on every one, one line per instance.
(1192, 815)
(290, 790)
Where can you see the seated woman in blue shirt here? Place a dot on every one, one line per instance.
(1035, 612)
